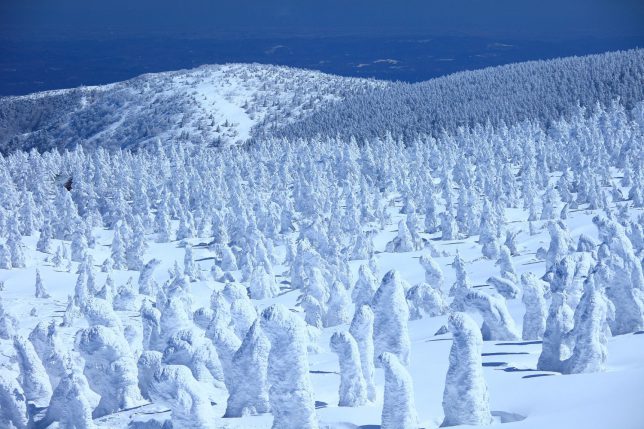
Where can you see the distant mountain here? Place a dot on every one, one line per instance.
(236, 103)
(210, 105)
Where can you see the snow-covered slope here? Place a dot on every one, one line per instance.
(254, 286)
(225, 104)
(211, 105)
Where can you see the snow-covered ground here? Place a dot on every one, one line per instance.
(520, 395)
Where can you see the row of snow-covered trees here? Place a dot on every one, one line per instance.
(542, 91)
(322, 200)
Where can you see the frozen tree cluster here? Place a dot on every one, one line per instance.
(207, 280)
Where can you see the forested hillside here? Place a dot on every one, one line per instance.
(540, 91)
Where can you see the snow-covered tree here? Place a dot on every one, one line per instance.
(41, 292)
(136, 247)
(118, 247)
(262, 285)
(362, 330)
(33, 376)
(433, 273)
(561, 243)
(506, 288)
(365, 287)
(13, 404)
(391, 314)
(505, 264)
(353, 388)
(175, 386)
(497, 321)
(44, 240)
(398, 408)
(290, 392)
(590, 332)
(620, 272)
(70, 406)
(425, 299)
(110, 368)
(338, 306)
(79, 243)
(559, 323)
(5, 257)
(448, 226)
(15, 245)
(8, 323)
(536, 312)
(190, 268)
(461, 286)
(465, 398)
(249, 387)
(403, 242)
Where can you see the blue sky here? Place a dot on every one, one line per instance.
(551, 19)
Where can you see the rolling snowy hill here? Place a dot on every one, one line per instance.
(213, 105)
(209, 105)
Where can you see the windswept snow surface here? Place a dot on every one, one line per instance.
(519, 394)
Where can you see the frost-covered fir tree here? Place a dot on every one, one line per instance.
(488, 232)
(433, 273)
(398, 408)
(461, 286)
(425, 299)
(44, 240)
(147, 284)
(338, 306)
(506, 266)
(79, 243)
(465, 398)
(391, 314)
(448, 226)
(620, 272)
(33, 376)
(249, 387)
(353, 388)
(175, 386)
(15, 245)
(70, 406)
(536, 310)
(497, 321)
(13, 404)
(365, 287)
(590, 332)
(262, 285)
(5, 257)
(190, 268)
(561, 243)
(554, 349)
(290, 391)
(151, 324)
(403, 242)
(110, 368)
(118, 248)
(136, 247)
(506, 288)
(8, 323)
(41, 292)
(362, 330)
